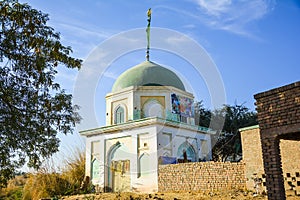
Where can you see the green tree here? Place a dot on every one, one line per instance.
(228, 142)
(33, 107)
(202, 115)
(226, 121)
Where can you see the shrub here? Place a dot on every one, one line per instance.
(14, 188)
(74, 171)
(43, 184)
(47, 182)
(11, 193)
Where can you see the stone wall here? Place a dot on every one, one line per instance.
(201, 176)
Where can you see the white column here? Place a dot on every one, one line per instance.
(88, 151)
(102, 163)
(134, 160)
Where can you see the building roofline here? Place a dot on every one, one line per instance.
(129, 89)
(143, 122)
(249, 128)
(277, 90)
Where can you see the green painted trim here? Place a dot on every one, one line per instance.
(143, 122)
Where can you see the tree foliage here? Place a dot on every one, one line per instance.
(33, 107)
(202, 115)
(227, 143)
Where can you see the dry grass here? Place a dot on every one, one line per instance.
(13, 191)
(49, 181)
(74, 171)
(43, 185)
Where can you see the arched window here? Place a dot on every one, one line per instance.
(119, 115)
(186, 153)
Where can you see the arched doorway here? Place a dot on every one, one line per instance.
(118, 173)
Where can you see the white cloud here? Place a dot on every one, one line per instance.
(214, 7)
(233, 15)
(190, 26)
(110, 75)
(173, 40)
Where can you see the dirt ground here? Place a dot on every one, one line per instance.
(238, 195)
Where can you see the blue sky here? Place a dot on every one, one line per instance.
(255, 44)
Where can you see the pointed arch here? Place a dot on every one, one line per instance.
(187, 152)
(144, 165)
(118, 163)
(95, 169)
(120, 114)
(166, 154)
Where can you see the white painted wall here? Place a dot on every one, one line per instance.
(160, 139)
(153, 141)
(129, 139)
(180, 136)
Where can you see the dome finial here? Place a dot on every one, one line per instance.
(148, 33)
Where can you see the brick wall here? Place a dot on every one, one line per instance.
(279, 107)
(290, 155)
(204, 176)
(252, 157)
(278, 118)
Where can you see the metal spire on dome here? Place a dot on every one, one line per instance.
(148, 33)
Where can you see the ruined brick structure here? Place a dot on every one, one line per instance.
(253, 159)
(278, 118)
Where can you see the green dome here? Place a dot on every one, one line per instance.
(147, 74)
